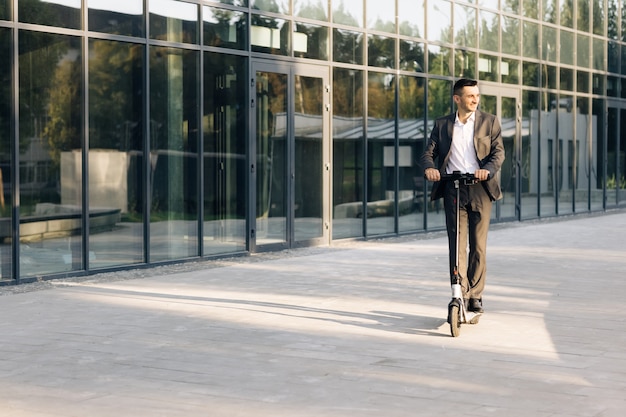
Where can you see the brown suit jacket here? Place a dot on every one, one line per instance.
(487, 143)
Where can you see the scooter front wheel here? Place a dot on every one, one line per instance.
(454, 319)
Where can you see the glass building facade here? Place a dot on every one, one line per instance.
(141, 132)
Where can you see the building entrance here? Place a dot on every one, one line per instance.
(290, 148)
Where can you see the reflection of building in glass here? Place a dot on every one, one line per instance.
(134, 133)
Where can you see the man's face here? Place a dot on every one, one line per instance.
(468, 100)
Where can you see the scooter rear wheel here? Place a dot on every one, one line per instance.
(455, 322)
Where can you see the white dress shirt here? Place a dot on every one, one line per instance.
(462, 153)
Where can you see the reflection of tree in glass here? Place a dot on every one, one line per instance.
(567, 13)
(64, 110)
(381, 93)
(267, 6)
(381, 51)
(344, 17)
(348, 93)
(115, 110)
(309, 10)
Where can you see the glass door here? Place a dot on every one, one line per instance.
(290, 167)
(505, 103)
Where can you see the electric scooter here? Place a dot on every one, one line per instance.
(457, 310)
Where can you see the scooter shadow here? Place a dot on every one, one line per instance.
(412, 324)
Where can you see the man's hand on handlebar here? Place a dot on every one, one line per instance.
(432, 174)
(481, 174)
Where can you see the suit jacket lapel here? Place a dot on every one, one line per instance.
(448, 144)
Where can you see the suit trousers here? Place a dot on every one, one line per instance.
(474, 219)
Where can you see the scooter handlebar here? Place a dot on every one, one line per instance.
(466, 178)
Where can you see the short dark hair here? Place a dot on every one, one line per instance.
(461, 84)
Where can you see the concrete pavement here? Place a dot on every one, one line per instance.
(354, 330)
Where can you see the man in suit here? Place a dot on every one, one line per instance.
(469, 141)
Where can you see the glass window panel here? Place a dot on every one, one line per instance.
(439, 104)
(51, 149)
(599, 17)
(489, 31)
(489, 4)
(269, 35)
(596, 160)
(381, 174)
(439, 21)
(548, 146)
(225, 141)
(509, 70)
(510, 35)
(411, 18)
(582, 49)
(465, 26)
(64, 14)
(511, 6)
(225, 28)
(488, 68)
(6, 136)
(566, 47)
(271, 141)
(348, 153)
(174, 128)
(347, 46)
(550, 11)
(411, 136)
(530, 8)
(464, 63)
(241, 3)
(623, 58)
(612, 152)
(530, 74)
(582, 82)
(566, 168)
(529, 154)
(310, 41)
(580, 176)
(620, 179)
(550, 47)
(567, 13)
(530, 39)
(119, 18)
(5, 10)
(439, 60)
(550, 75)
(273, 6)
(311, 9)
(116, 146)
(612, 13)
(613, 57)
(597, 84)
(623, 23)
(411, 56)
(348, 12)
(567, 79)
(598, 48)
(583, 14)
(173, 21)
(381, 16)
(381, 51)
(612, 86)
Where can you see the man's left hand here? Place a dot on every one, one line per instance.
(482, 174)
